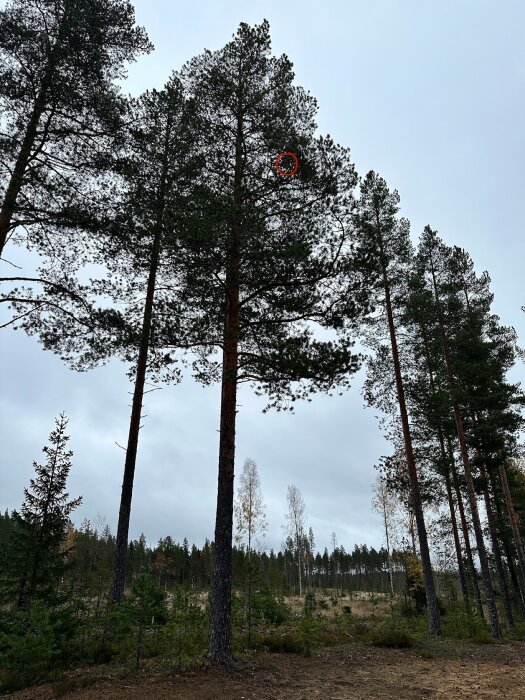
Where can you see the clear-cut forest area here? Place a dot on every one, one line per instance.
(207, 233)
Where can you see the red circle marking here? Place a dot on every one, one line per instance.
(295, 168)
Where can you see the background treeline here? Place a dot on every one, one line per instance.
(171, 564)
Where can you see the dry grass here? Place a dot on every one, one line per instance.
(362, 603)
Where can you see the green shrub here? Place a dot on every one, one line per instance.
(267, 608)
(392, 636)
(279, 643)
(185, 634)
(482, 636)
(139, 617)
(359, 630)
(461, 622)
(406, 610)
(308, 624)
(27, 646)
(519, 632)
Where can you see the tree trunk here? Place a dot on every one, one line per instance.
(121, 544)
(220, 633)
(220, 637)
(16, 180)
(17, 176)
(465, 531)
(518, 592)
(482, 552)
(299, 562)
(434, 622)
(496, 550)
(249, 584)
(121, 548)
(512, 517)
(457, 544)
(389, 558)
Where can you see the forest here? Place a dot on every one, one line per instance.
(207, 232)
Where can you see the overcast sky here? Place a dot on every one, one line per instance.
(430, 95)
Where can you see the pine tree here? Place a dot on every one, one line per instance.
(145, 608)
(161, 137)
(59, 64)
(432, 258)
(153, 200)
(271, 254)
(385, 245)
(37, 560)
(430, 404)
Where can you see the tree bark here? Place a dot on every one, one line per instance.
(434, 622)
(220, 637)
(220, 632)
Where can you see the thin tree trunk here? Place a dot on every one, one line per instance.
(466, 536)
(139, 646)
(496, 550)
(457, 544)
(220, 632)
(513, 518)
(249, 584)
(389, 558)
(482, 552)
(299, 567)
(509, 555)
(516, 587)
(518, 592)
(434, 622)
(121, 545)
(121, 548)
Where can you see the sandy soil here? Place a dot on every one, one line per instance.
(358, 672)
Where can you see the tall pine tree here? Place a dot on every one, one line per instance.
(385, 245)
(271, 258)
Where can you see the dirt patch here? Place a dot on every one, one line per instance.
(354, 672)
